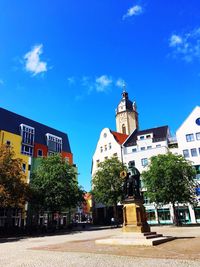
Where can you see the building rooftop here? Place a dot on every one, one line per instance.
(10, 122)
(159, 134)
(119, 137)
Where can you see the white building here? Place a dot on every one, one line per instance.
(188, 138)
(138, 146)
(109, 145)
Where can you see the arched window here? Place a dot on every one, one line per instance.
(123, 129)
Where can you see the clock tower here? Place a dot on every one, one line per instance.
(126, 115)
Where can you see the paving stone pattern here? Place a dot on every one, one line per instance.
(78, 249)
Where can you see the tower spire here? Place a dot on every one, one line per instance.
(124, 93)
(126, 114)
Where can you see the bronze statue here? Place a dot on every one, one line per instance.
(131, 185)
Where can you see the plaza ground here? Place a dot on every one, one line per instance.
(78, 248)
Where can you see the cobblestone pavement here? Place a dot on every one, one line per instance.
(55, 250)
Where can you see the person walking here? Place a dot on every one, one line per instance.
(112, 222)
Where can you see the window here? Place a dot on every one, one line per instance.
(158, 145)
(115, 155)
(164, 215)
(134, 149)
(193, 152)
(142, 148)
(148, 136)
(151, 216)
(197, 213)
(97, 162)
(27, 150)
(189, 137)
(101, 149)
(8, 143)
(105, 147)
(123, 129)
(186, 153)
(27, 134)
(110, 146)
(198, 136)
(40, 153)
(149, 147)
(54, 143)
(106, 158)
(23, 167)
(142, 137)
(144, 162)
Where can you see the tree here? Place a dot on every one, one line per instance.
(54, 185)
(107, 183)
(14, 189)
(170, 178)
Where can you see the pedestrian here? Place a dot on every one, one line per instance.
(112, 222)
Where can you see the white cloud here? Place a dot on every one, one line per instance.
(33, 63)
(133, 11)
(120, 83)
(90, 84)
(186, 46)
(87, 82)
(175, 40)
(103, 83)
(71, 80)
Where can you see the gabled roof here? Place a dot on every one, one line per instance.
(159, 134)
(10, 122)
(119, 137)
(196, 109)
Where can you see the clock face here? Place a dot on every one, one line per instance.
(198, 121)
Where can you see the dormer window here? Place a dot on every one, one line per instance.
(54, 143)
(142, 137)
(28, 134)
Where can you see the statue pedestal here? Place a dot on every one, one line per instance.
(136, 231)
(134, 217)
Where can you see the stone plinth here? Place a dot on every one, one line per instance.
(134, 217)
(135, 239)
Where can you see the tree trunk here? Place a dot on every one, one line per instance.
(175, 219)
(9, 218)
(115, 213)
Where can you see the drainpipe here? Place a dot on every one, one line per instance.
(121, 154)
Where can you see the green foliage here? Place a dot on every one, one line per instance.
(54, 185)
(107, 183)
(170, 178)
(13, 187)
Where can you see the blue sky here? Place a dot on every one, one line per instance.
(63, 63)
